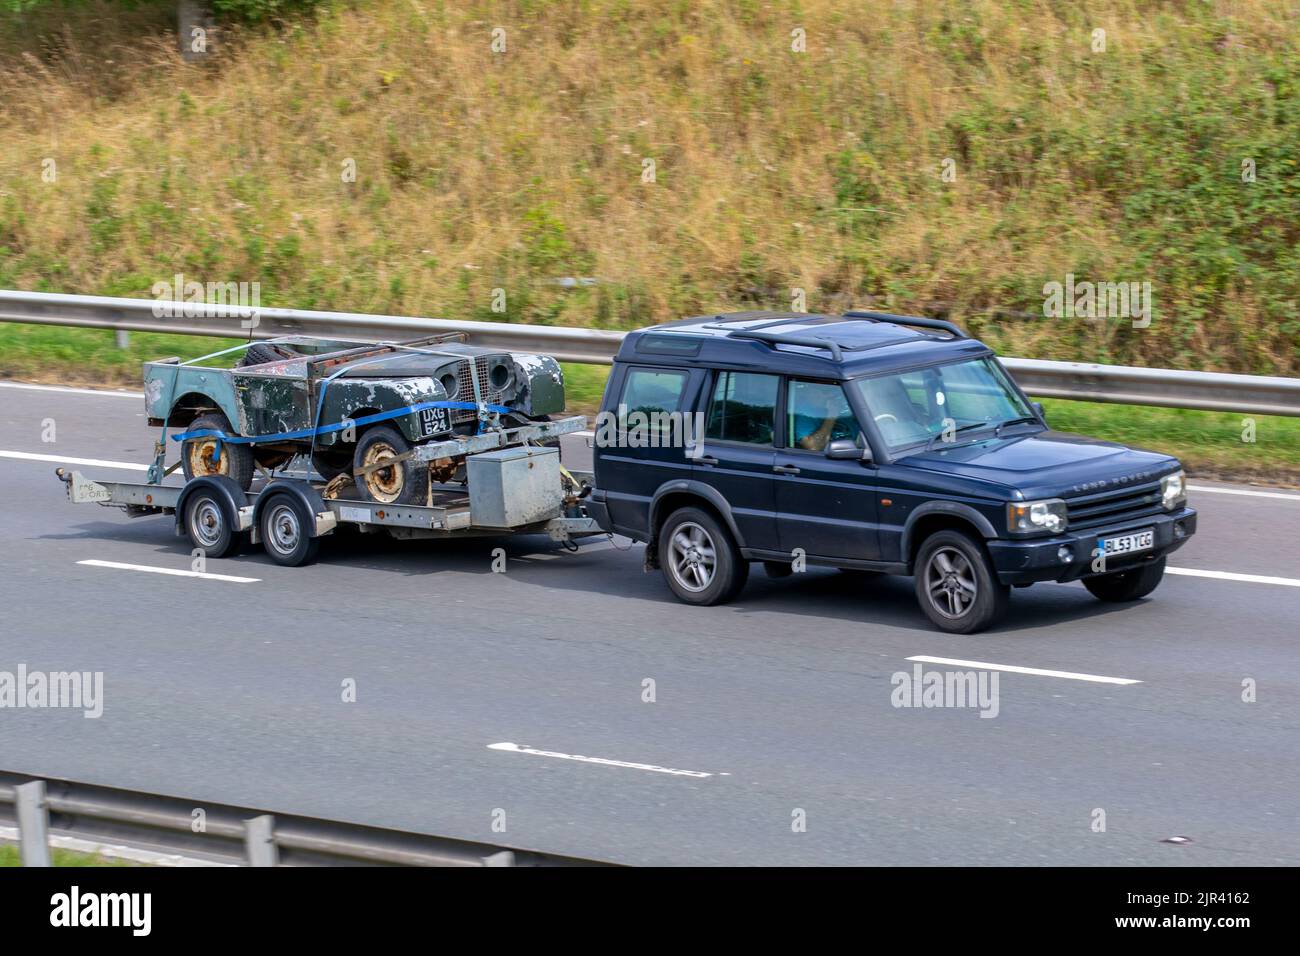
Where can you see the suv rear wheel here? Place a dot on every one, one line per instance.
(1127, 585)
(700, 559)
(956, 585)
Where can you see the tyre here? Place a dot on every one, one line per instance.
(285, 526)
(261, 352)
(209, 526)
(199, 456)
(956, 585)
(1127, 585)
(404, 482)
(700, 560)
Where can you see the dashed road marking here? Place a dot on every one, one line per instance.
(177, 572)
(1235, 576)
(1016, 669)
(521, 749)
(64, 460)
(68, 390)
(1199, 489)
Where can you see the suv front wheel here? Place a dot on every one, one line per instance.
(700, 559)
(956, 585)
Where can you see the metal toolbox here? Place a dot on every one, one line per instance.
(513, 486)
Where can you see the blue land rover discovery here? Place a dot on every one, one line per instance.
(873, 443)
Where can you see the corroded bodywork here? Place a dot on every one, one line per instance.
(317, 383)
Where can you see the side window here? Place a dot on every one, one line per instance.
(816, 414)
(743, 408)
(653, 390)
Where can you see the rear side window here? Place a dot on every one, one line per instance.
(653, 390)
(744, 408)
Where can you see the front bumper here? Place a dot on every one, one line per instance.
(1024, 561)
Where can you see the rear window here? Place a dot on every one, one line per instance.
(653, 390)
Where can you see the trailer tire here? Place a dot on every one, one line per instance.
(234, 460)
(405, 483)
(285, 526)
(209, 524)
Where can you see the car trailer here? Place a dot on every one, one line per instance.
(513, 484)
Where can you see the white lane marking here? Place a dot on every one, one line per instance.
(64, 460)
(1235, 576)
(174, 571)
(1014, 669)
(115, 851)
(521, 749)
(1241, 491)
(112, 393)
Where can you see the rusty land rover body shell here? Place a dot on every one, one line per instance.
(282, 396)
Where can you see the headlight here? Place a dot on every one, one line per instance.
(1173, 490)
(1031, 516)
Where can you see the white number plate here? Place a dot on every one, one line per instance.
(434, 420)
(1128, 543)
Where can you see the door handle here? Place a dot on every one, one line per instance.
(705, 460)
(785, 469)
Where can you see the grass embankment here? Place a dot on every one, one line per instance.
(1121, 159)
(9, 856)
(1209, 443)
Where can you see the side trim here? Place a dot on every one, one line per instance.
(700, 490)
(951, 508)
(821, 561)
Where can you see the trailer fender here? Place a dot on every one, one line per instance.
(238, 512)
(325, 520)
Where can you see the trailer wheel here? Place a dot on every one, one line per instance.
(286, 531)
(197, 454)
(402, 483)
(209, 527)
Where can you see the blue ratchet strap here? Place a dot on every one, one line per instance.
(326, 429)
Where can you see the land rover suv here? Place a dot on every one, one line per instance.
(872, 443)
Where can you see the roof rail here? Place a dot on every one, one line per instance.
(780, 338)
(913, 320)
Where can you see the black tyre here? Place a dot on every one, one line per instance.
(210, 526)
(956, 585)
(285, 526)
(699, 558)
(403, 483)
(261, 352)
(1127, 585)
(200, 456)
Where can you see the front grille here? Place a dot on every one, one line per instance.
(1113, 507)
(465, 390)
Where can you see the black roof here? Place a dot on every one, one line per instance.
(826, 346)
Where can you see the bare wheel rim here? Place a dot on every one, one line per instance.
(692, 556)
(950, 583)
(384, 484)
(283, 528)
(206, 523)
(200, 454)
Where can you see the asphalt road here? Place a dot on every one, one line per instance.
(233, 692)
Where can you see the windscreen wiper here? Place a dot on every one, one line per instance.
(1023, 420)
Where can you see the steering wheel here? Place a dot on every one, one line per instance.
(884, 415)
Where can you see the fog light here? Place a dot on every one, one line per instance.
(1179, 530)
(1063, 554)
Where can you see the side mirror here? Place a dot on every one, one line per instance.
(1038, 407)
(847, 449)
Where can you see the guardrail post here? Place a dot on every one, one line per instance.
(33, 823)
(123, 339)
(259, 841)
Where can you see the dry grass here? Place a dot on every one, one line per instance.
(774, 169)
